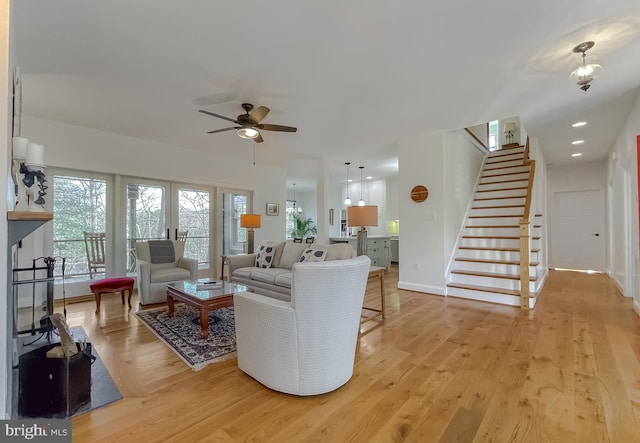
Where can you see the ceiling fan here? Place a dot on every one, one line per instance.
(249, 123)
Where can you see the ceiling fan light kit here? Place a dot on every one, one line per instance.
(247, 133)
(249, 125)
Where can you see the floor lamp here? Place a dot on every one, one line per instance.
(250, 221)
(362, 216)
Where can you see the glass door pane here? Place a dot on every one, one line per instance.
(234, 238)
(194, 215)
(146, 216)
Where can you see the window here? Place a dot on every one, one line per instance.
(493, 135)
(79, 205)
(289, 212)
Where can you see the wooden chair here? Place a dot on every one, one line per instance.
(297, 240)
(309, 240)
(94, 245)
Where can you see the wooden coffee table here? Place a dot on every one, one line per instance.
(203, 300)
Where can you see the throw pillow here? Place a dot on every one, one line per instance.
(311, 255)
(265, 254)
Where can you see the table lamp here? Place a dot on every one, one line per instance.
(362, 216)
(250, 221)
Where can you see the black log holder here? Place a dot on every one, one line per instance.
(54, 387)
(42, 325)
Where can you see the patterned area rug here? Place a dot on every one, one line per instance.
(182, 333)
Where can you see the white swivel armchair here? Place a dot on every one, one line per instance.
(306, 346)
(160, 262)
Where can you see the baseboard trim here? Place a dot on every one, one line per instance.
(636, 307)
(429, 289)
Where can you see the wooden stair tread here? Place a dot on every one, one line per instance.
(498, 207)
(485, 289)
(499, 168)
(503, 161)
(499, 198)
(496, 216)
(491, 274)
(494, 262)
(504, 181)
(493, 226)
(503, 189)
(499, 154)
(497, 237)
(510, 146)
(503, 174)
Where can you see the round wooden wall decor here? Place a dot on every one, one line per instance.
(419, 193)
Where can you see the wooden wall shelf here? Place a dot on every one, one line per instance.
(23, 223)
(29, 216)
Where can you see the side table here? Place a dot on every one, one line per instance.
(377, 272)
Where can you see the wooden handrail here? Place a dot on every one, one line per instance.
(525, 232)
(476, 138)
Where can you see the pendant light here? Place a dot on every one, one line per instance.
(347, 201)
(361, 202)
(298, 209)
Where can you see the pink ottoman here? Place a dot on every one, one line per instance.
(111, 286)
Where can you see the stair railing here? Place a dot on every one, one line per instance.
(525, 233)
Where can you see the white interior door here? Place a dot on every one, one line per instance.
(577, 240)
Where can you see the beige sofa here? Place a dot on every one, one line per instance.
(275, 280)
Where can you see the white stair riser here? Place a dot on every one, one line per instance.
(503, 163)
(505, 178)
(515, 212)
(502, 193)
(519, 169)
(501, 185)
(493, 221)
(494, 268)
(477, 280)
(506, 152)
(499, 202)
(495, 255)
(484, 296)
(490, 242)
(510, 232)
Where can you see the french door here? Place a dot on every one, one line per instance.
(234, 204)
(161, 210)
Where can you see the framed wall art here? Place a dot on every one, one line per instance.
(273, 209)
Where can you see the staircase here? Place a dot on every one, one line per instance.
(487, 263)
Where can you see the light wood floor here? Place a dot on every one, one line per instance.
(436, 370)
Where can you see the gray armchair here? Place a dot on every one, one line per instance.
(160, 262)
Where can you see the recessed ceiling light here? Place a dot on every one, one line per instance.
(577, 142)
(578, 124)
(577, 154)
(369, 178)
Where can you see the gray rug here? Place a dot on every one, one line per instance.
(182, 333)
(103, 389)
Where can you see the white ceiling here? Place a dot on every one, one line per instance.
(352, 76)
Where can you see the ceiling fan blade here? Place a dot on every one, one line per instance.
(278, 128)
(220, 116)
(224, 129)
(258, 139)
(260, 113)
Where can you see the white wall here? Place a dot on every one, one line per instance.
(462, 164)
(623, 209)
(447, 164)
